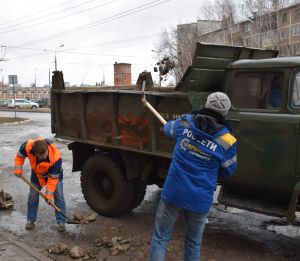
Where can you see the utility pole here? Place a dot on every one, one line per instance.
(35, 77)
(55, 61)
(102, 83)
(2, 77)
(14, 97)
(49, 84)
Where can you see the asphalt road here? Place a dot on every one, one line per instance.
(230, 235)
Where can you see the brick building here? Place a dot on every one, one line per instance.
(122, 74)
(30, 93)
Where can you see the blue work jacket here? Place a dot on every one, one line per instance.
(198, 159)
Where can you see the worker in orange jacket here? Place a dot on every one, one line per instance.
(46, 170)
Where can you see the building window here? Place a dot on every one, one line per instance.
(282, 51)
(297, 13)
(257, 40)
(266, 36)
(296, 31)
(296, 49)
(235, 29)
(283, 34)
(284, 18)
(247, 42)
(248, 28)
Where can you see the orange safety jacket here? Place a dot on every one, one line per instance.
(41, 169)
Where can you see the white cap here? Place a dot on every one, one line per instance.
(219, 102)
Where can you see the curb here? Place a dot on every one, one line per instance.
(15, 250)
(14, 123)
(27, 110)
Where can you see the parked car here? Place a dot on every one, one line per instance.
(44, 102)
(3, 102)
(22, 104)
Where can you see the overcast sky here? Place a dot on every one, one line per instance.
(95, 35)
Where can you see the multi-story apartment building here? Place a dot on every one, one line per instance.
(187, 36)
(278, 30)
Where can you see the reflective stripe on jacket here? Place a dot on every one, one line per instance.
(48, 172)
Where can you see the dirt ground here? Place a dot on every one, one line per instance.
(10, 119)
(233, 235)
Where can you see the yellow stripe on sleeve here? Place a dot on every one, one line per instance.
(228, 138)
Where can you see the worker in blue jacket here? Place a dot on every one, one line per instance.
(205, 149)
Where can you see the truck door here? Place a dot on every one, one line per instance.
(294, 106)
(267, 143)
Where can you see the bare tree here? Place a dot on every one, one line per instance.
(177, 47)
(264, 6)
(217, 10)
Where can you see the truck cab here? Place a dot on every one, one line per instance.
(265, 119)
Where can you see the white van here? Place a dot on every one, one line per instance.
(22, 104)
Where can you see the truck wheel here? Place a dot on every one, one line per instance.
(104, 186)
(139, 194)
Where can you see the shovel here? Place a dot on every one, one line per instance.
(150, 107)
(43, 195)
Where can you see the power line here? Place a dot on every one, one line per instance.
(42, 11)
(141, 37)
(98, 22)
(55, 19)
(66, 52)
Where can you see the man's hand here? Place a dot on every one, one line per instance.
(49, 201)
(18, 175)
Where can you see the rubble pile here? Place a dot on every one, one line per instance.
(5, 200)
(82, 219)
(74, 252)
(119, 245)
(115, 246)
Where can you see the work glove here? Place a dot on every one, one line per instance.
(49, 201)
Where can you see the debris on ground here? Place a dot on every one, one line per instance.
(74, 252)
(77, 252)
(80, 218)
(117, 245)
(58, 249)
(5, 200)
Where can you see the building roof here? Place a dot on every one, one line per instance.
(286, 62)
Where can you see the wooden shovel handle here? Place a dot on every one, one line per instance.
(41, 193)
(150, 107)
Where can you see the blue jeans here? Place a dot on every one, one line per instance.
(166, 216)
(33, 201)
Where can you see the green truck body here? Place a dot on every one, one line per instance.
(119, 147)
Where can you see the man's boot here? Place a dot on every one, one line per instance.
(61, 228)
(29, 224)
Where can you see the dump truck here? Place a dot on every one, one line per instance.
(119, 147)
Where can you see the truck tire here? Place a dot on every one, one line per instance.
(104, 186)
(139, 194)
